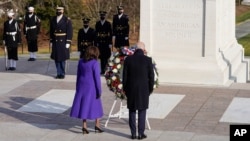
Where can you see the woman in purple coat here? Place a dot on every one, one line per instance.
(87, 102)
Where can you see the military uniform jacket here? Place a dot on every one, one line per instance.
(60, 34)
(31, 27)
(103, 33)
(121, 30)
(85, 40)
(11, 33)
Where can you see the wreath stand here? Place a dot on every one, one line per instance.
(123, 111)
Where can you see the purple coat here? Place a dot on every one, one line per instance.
(87, 103)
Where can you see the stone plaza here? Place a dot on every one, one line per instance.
(35, 106)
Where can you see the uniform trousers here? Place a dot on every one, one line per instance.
(60, 67)
(141, 121)
(32, 45)
(12, 53)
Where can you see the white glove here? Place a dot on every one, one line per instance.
(50, 45)
(67, 45)
(79, 53)
(110, 46)
(3, 42)
(126, 38)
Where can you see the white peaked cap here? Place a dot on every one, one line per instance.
(31, 8)
(10, 13)
(60, 8)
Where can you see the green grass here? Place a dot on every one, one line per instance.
(245, 42)
(243, 17)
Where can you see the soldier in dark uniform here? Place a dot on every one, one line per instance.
(103, 39)
(86, 37)
(31, 30)
(121, 28)
(61, 33)
(11, 38)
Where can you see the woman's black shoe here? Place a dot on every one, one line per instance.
(97, 129)
(85, 131)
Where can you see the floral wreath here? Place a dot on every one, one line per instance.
(114, 70)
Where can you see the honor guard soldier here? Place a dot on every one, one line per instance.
(61, 33)
(86, 37)
(103, 39)
(31, 30)
(120, 28)
(11, 38)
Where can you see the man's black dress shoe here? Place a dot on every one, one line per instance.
(143, 136)
(133, 137)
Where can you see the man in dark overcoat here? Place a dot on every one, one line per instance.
(61, 33)
(85, 37)
(31, 29)
(103, 39)
(120, 28)
(138, 82)
(11, 38)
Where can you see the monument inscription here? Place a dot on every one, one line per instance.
(172, 25)
(193, 41)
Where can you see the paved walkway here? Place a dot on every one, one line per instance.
(189, 113)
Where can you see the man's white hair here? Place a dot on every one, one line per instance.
(140, 45)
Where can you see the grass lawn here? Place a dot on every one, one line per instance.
(245, 42)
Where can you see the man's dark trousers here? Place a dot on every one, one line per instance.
(141, 121)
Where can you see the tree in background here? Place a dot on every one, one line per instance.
(75, 9)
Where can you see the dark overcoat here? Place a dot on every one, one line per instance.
(121, 30)
(138, 80)
(85, 40)
(103, 38)
(60, 34)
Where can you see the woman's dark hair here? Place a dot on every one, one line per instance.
(91, 52)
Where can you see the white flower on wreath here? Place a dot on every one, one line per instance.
(117, 60)
(113, 78)
(118, 66)
(114, 70)
(120, 86)
(111, 64)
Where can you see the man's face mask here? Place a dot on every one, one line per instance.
(102, 17)
(58, 13)
(85, 26)
(9, 18)
(30, 13)
(120, 11)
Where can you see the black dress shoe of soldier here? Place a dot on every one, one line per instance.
(133, 137)
(57, 77)
(62, 76)
(143, 136)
